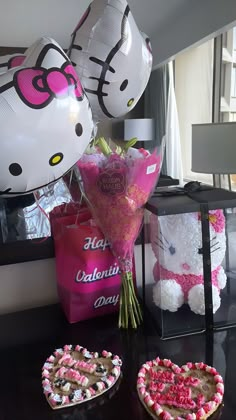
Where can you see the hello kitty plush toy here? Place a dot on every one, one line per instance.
(177, 244)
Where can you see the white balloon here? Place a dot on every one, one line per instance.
(45, 120)
(11, 60)
(112, 58)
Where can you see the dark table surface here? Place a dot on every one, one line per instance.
(175, 201)
(29, 337)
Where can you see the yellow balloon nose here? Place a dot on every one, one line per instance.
(56, 159)
(130, 102)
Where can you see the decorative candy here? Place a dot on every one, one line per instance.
(66, 360)
(87, 355)
(85, 367)
(64, 385)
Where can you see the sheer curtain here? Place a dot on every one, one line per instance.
(173, 146)
(160, 104)
(193, 88)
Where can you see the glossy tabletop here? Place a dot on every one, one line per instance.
(29, 337)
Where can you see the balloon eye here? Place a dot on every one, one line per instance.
(79, 129)
(55, 159)
(124, 85)
(15, 169)
(130, 102)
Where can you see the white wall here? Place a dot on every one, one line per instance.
(33, 284)
(172, 25)
(23, 21)
(192, 23)
(27, 285)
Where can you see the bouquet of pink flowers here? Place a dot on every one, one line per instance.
(117, 185)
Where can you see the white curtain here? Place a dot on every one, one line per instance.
(173, 146)
(193, 89)
(160, 104)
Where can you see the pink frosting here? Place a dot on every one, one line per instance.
(92, 391)
(188, 381)
(200, 400)
(175, 401)
(85, 366)
(179, 391)
(162, 376)
(67, 360)
(156, 386)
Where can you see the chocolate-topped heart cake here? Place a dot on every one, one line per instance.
(73, 375)
(169, 392)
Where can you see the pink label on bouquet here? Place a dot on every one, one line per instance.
(112, 182)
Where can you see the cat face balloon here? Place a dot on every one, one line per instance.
(9, 61)
(45, 119)
(112, 58)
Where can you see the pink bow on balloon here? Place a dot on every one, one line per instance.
(38, 87)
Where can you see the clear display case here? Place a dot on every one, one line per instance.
(189, 261)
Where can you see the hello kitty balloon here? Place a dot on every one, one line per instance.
(11, 60)
(112, 58)
(45, 120)
(177, 244)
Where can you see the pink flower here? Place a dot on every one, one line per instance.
(117, 187)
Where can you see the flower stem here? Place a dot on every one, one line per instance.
(130, 311)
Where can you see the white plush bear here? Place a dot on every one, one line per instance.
(177, 244)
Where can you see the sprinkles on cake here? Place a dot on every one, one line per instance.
(161, 384)
(66, 375)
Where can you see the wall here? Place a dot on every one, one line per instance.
(33, 284)
(27, 285)
(172, 25)
(105, 127)
(22, 22)
(193, 22)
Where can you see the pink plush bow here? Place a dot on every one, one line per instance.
(37, 87)
(216, 219)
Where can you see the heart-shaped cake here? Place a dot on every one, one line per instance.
(72, 375)
(169, 392)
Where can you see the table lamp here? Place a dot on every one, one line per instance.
(142, 128)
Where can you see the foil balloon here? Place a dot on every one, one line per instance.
(9, 61)
(112, 58)
(45, 120)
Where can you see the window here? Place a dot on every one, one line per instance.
(193, 86)
(233, 82)
(234, 38)
(228, 79)
(225, 39)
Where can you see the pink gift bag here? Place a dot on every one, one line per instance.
(88, 278)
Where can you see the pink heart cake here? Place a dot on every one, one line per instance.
(73, 375)
(169, 392)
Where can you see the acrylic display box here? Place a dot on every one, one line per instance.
(189, 261)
